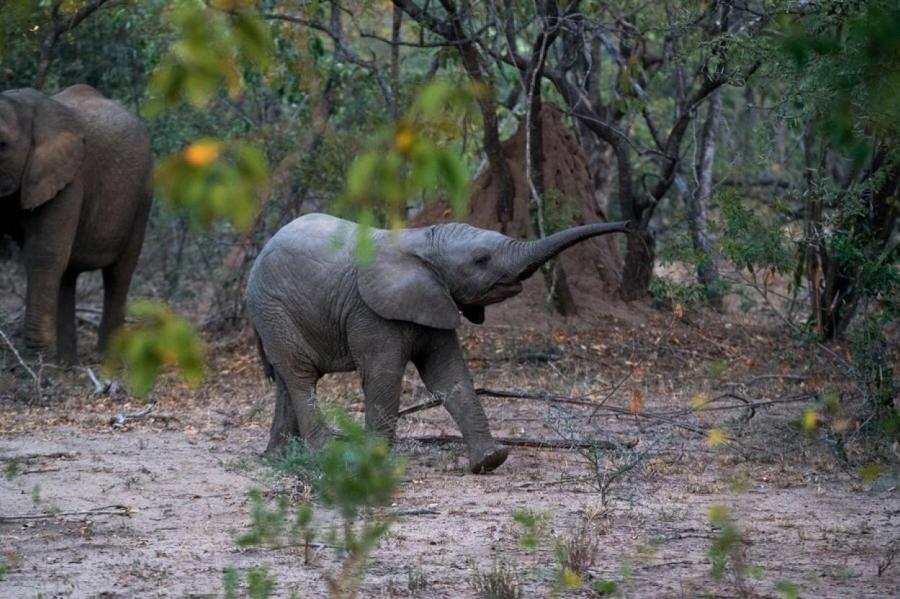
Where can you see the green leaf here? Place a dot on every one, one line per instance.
(604, 588)
(157, 339)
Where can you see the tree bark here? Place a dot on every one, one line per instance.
(697, 202)
(452, 31)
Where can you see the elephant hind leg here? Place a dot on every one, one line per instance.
(284, 424)
(117, 280)
(66, 330)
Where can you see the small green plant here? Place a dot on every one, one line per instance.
(415, 579)
(667, 293)
(297, 460)
(534, 528)
(11, 469)
(500, 582)
(354, 474)
(4, 569)
(604, 588)
(727, 551)
(788, 589)
(576, 554)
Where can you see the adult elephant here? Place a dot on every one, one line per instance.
(75, 191)
(316, 310)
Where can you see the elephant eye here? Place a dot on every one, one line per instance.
(482, 260)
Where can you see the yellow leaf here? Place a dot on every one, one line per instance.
(716, 437)
(404, 139)
(202, 153)
(870, 472)
(699, 401)
(679, 311)
(569, 579)
(810, 419)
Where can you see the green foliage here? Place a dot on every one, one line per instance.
(604, 588)
(299, 461)
(358, 471)
(411, 159)
(230, 582)
(725, 547)
(500, 582)
(534, 528)
(750, 241)
(213, 41)
(212, 180)
(849, 56)
(4, 568)
(871, 355)
(259, 584)
(11, 470)
(354, 473)
(788, 589)
(157, 339)
(266, 525)
(667, 293)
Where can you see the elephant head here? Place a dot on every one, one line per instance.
(428, 276)
(41, 146)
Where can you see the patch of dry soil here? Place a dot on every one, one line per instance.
(154, 510)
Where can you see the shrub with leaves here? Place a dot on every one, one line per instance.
(413, 158)
(749, 240)
(157, 339)
(214, 180)
(500, 582)
(214, 41)
(355, 474)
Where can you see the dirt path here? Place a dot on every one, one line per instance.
(171, 493)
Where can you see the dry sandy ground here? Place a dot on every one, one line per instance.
(154, 509)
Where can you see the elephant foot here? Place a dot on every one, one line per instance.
(485, 461)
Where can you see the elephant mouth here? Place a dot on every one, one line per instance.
(500, 292)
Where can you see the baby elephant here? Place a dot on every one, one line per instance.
(317, 310)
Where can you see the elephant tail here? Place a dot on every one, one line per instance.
(267, 366)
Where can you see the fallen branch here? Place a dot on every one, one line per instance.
(107, 510)
(122, 418)
(56, 455)
(31, 373)
(562, 399)
(511, 442)
(425, 405)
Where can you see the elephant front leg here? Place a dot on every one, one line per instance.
(382, 377)
(41, 303)
(443, 370)
(66, 330)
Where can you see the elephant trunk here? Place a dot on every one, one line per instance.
(530, 255)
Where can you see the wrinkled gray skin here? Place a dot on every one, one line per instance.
(316, 311)
(75, 190)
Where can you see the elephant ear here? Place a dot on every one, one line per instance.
(57, 150)
(400, 286)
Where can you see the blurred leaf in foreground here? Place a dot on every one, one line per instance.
(214, 41)
(413, 158)
(157, 339)
(211, 179)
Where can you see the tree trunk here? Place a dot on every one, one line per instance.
(640, 255)
(697, 202)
